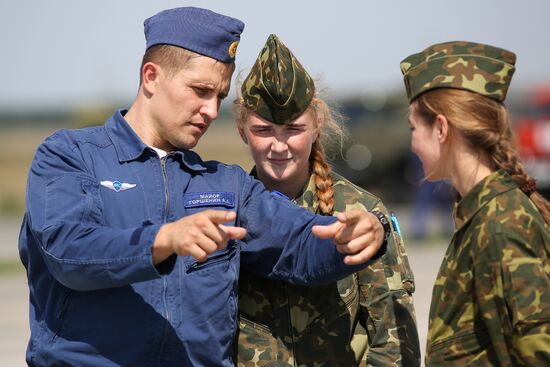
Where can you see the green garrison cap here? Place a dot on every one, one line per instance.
(475, 67)
(278, 87)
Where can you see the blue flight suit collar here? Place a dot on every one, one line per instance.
(129, 146)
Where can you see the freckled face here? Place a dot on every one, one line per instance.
(281, 152)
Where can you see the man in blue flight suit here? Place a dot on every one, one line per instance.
(132, 243)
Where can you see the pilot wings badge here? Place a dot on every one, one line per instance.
(117, 186)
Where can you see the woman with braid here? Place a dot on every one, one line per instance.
(367, 318)
(491, 300)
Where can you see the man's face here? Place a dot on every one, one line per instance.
(185, 103)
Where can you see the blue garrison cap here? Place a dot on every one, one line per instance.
(195, 29)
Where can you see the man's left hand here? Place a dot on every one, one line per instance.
(356, 232)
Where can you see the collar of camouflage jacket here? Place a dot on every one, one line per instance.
(306, 198)
(493, 185)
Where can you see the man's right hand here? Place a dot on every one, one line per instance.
(196, 235)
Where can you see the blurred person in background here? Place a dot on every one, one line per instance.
(429, 201)
(365, 319)
(128, 235)
(491, 300)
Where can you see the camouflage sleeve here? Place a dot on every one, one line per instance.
(387, 309)
(512, 291)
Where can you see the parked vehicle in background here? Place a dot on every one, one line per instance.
(532, 128)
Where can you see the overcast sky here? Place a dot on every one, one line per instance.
(70, 52)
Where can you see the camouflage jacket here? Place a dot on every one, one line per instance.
(491, 300)
(365, 319)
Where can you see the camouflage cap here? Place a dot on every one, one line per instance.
(278, 88)
(475, 67)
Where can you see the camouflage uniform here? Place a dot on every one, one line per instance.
(475, 67)
(491, 300)
(364, 320)
(278, 88)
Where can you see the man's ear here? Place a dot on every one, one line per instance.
(242, 134)
(442, 126)
(149, 77)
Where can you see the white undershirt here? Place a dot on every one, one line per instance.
(160, 152)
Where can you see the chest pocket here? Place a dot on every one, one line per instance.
(461, 349)
(349, 293)
(216, 259)
(330, 308)
(124, 202)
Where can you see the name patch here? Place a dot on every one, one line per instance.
(211, 198)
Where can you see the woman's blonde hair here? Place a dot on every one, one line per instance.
(484, 123)
(331, 135)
